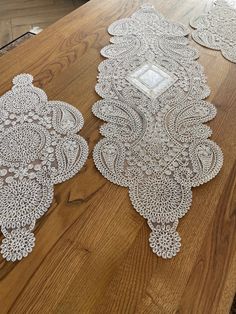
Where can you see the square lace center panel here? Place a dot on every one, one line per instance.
(152, 80)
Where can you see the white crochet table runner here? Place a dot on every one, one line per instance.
(155, 141)
(39, 147)
(217, 29)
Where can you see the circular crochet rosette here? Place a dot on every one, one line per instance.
(165, 240)
(160, 199)
(23, 143)
(17, 244)
(23, 201)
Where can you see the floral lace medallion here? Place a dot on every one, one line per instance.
(39, 147)
(217, 29)
(155, 141)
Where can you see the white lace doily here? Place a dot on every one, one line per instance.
(39, 147)
(155, 141)
(217, 29)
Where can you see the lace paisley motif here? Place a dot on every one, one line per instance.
(39, 147)
(217, 29)
(154, 141)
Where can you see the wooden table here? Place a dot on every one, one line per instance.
(92, 253)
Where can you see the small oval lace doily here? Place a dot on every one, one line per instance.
(39, 147)
(217, 29)
(155, 141)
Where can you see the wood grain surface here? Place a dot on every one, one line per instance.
(92, 253)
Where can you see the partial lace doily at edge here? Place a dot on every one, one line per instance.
(155, 142)
(39, 147)
(217, 28)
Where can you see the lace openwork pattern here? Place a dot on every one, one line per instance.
(217, 29)
(155, 142)
(39, 147)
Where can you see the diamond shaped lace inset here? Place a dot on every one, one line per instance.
(151, 79)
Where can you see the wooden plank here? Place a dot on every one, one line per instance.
(41, 9)
(8, 7)
(6, 32)
(92, 254)
(42, 16)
